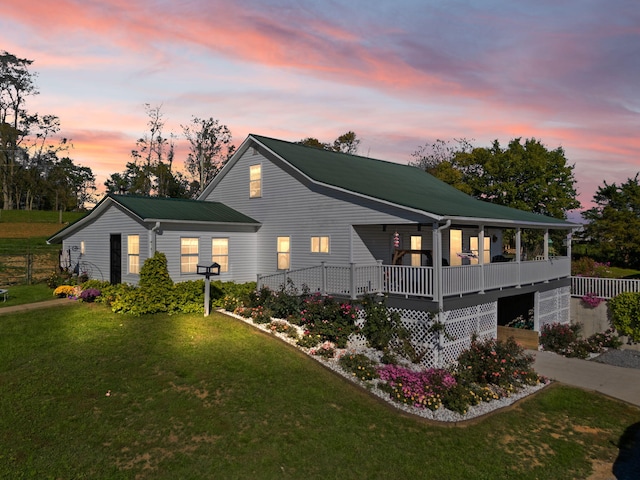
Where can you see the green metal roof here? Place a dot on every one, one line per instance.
(180, 210)
(149, 209)
(395, 183)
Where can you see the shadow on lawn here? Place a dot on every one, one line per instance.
(627, 465)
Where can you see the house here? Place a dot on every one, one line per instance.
(344, 225)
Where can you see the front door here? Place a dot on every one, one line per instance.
(115, 258)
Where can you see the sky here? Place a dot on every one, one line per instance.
(400, 74)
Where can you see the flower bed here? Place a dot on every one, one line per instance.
(490, 375)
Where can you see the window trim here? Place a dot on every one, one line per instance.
(319, 239)
(224, 266)
(184, 256)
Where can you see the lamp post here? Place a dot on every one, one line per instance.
(208, 271)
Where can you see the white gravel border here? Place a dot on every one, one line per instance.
(440, 415)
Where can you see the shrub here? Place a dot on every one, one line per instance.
(327, 350)
(557, 337)
(328, 319)
(287, 302)
(89, 295)
(359, 365)
(591, 300)
(261, 314)
(64, 291)
(384, 330)
(282, 326)
(423, 389)
(625, 314)
(502, 363)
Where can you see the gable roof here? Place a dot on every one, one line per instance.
(402, 185)
(167, 210)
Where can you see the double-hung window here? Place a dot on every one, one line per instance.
(416, 244)
(220, 253)
(188, 255)
(133, 253)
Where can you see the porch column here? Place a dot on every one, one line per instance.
(437, 260)
(546, 244)
(518, 254)
(569, 235)
(481, 256)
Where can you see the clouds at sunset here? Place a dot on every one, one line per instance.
(400, 74)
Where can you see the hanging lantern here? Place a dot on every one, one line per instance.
(396, 240)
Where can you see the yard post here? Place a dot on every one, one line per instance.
(323, 288)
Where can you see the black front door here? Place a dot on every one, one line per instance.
(115, 258)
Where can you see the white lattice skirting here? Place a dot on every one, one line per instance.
(553, 306)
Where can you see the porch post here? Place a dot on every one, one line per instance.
(437, 260)
(481, 256)
(569, 236)
(324, 279)
(518, 254)
(546, 244)
(352, 281)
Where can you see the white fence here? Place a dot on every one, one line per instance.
(602, 287)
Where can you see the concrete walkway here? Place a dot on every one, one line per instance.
(617, 382)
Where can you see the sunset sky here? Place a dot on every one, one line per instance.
(400, 74)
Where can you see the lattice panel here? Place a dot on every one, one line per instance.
(553, 306)
(460, 325)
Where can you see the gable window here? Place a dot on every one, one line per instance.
(188, 255)
(319, 244)
(133, 253)
(220, 253)
(416, 244)
(255, 181)
(284, 246)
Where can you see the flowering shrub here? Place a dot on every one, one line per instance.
(281, 326)
(89, 295)
(493, 362)
(327, 350)
(359, 365)
(591, 300)
(64, 291)
(587, 267)
(564, 340)
(261, 314)
(421, 389)
(330, 320)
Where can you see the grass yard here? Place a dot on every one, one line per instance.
(90, 394)
(23, 294)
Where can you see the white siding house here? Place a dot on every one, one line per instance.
(344, 225)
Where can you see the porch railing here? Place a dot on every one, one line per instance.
(603, 287)
(356, 280)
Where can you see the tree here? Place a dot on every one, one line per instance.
(70, 186)
(524, 176)
(614, 223)
(16, 83)
(345, 143)
(209, 149)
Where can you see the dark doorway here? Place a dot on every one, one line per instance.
(510, 308)
(115, 258)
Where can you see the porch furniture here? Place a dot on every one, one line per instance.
(4, 293)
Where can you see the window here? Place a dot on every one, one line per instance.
(220, 253)
(188, 255)
(319, 244)
(283, 253)
(133, 252)
(473, 243)
(82, 247)
(416, 258)
(255, 181)
(455, 247)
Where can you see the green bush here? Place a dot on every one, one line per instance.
(328, 319)
(625, 314)
(495, 362)
(360, 366)
(384, 330)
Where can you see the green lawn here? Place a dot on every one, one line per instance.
(90, 394)
(22, 294)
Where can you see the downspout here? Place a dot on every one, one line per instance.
(152, 239)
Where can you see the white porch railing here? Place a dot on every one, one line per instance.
(355, 280)
(603, 287)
